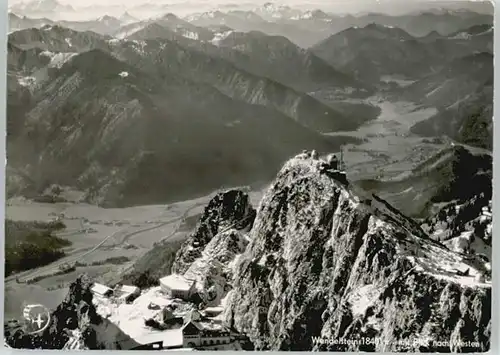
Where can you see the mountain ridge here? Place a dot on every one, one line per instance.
(121, 100)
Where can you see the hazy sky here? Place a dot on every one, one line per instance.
(340, 6)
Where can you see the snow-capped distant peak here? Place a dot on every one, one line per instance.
(269, 6)
(315, 14)
(277, 11)
(209, 14)
(127, 18)
(220, 36)
(203, 15)
(305, 16)
(109, 20)
(42, 6)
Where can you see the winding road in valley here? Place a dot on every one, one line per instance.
(121, 236)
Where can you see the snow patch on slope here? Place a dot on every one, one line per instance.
(130, 317)
(139, 47)
(214, 270)
(189, 34)
(220, 37)
(114, 41)
(361, 299)
(57, 60)
(27, 81)
(130, 30)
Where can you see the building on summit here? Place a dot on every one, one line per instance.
(177, 286)
(100, 290)
(197, 334)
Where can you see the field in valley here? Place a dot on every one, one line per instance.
(98, 235)
(389, 148)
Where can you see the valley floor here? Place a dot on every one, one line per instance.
(389, 148)
(97, 234)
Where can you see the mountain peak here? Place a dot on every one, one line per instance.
(319, 14)
(273, 10)
(170, 16)
(378, 27)
(325, 261)
(380, 31)
(127, 18)
(106, 18)
(227, 210)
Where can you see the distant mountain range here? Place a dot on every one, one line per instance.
(303, 27)
(278, 58)
(375, 50)
(274, 57)
(243, 96)
(40, 7)
(187, 111)
(103, 25)
(310, 27)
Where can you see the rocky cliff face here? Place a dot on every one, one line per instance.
(213, 271)
(229, 210)
(325, 269)
(76, 312)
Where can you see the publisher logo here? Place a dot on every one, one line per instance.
(37, 318)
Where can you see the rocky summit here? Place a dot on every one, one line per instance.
(326, 269)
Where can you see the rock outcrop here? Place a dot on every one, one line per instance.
(227, 210)
(75, 323)
(465, 227)
(326, 270)
(213, 271)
